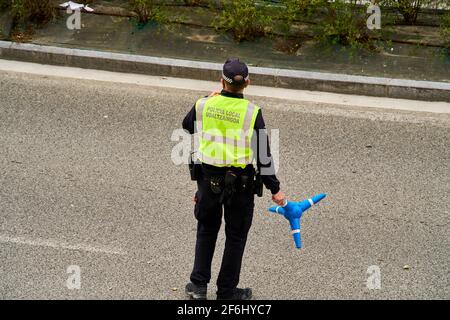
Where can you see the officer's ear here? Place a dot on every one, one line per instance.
(247, 83)
(222, 82)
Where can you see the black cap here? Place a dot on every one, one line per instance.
(235, 71)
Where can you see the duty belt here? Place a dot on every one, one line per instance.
(228, 184)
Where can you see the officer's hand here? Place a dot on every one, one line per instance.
(279, 198)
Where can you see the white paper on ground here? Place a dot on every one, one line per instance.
(76, 6)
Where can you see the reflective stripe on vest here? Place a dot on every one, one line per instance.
(225, 128)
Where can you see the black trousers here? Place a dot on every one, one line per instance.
(238, 220)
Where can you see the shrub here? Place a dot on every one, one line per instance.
(296, 9)
(343, 22)
(243, 18)
(146, 10)
(445, 30)
(192, 3)
(409, 9)
(36, 11)
(4, 4)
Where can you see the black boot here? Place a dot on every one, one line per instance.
(195, 292)
(237, 294)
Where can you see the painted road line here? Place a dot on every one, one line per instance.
(50, 243)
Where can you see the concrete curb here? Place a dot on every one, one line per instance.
(291, 79)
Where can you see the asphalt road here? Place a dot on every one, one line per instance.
(86, 179)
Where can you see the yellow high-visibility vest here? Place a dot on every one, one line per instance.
(225, 127)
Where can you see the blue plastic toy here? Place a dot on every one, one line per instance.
(293, 211)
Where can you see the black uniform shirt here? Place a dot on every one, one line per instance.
(270, 180)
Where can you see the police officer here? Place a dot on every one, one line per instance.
(231, 131)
